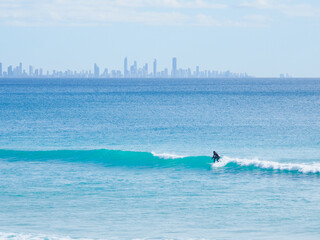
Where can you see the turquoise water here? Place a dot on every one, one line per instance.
(130, 159)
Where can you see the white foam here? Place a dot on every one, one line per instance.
(166, 155)
(27, 236)
(303, 168)
(22, 236)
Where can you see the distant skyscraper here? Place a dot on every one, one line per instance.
(135, 69)
(96, 70)
(174, 67)
(145, 70)
(135, 66)
(30, 70)
(10, 72)
(155, 68)
(0, 69)
(197, 71)
(189, 73)
(125, 67)
(105, 72)
(20, 69)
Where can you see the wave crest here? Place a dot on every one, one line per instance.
(293, 167)
(152, 160)
(29, 236)
(167, 155)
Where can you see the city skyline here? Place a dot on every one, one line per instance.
(129, 71)
(262, 37)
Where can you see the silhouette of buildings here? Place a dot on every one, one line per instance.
(155, 68)
(134, 71)
(174, 68)
(125, 67)
(96, 70)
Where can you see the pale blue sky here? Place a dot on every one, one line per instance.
(260, 37)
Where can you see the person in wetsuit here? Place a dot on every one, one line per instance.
(215, 157)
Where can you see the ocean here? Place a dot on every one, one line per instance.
(131, 159)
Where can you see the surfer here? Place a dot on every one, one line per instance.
(215, 157)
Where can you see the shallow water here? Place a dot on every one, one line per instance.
(130, 159)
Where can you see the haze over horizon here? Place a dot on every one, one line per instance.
(261, 37)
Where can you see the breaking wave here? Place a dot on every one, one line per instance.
(167, 155)
(155, 160)
(33, 236)
(269, 165)
(29, 236)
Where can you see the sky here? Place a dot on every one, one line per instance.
(261, 37)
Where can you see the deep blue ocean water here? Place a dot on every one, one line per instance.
(130, 159)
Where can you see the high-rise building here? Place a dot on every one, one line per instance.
(20, 69)
(125, 67)
(134, 69)
(105, 73)
(155, 68)
(145, 70)
(189, 73)
(174, 67)
(10, 71)
(0, 69)
(96, 70)
(30, 70)
(135, 66)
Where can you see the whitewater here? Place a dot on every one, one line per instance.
(292, 167)
(225, 161)
(131, 159)
(153, 159)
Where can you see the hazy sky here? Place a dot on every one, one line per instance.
(260, 37)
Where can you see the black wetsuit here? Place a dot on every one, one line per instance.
(215, 156)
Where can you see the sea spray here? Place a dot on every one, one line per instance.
(167, 155)
(270, 165)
